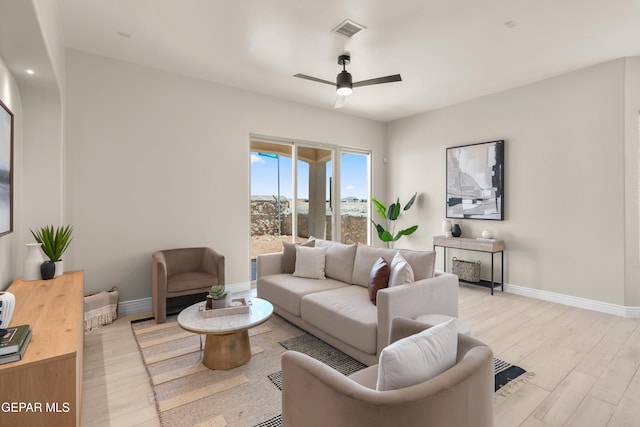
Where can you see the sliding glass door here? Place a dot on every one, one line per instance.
(299, 190)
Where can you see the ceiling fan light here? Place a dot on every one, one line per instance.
(344, 83)
(344, 91)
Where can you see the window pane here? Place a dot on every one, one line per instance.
(313, 179)
(354, 178)
(271, 192)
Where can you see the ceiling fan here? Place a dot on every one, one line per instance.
(344, 82)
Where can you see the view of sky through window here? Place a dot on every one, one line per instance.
(264, 176)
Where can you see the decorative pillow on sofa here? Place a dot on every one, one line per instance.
(422, 262)
(401, 271)
(378, 278)
(339, 260)
(310, 262)
(417, 358)
(289, 255)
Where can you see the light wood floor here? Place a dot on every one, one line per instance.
(586, 365)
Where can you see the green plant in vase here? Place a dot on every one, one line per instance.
(217, 297)
(55, 241)
(391, 215)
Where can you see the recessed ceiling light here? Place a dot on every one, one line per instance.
(30, 71)
(125, 35)
(510, 24)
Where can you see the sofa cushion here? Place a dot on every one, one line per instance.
(289, 255)
(346, 314)
(189, 281)
(310, 262)
(339, 260)
(417, 358)
(378, 278)
(422, 262)
(287, 291)
(366, 256)
(401, 271)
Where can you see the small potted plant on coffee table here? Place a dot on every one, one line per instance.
(217, 297)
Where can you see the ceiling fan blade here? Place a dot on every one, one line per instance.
(340, 101)
(379, 80)
(314, 79)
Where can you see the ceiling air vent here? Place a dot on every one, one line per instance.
(348, 28)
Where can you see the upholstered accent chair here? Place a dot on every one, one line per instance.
(313, 394)
(184, 271)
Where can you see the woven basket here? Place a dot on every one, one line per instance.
(468, 271)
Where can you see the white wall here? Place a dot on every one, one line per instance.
(564, 172)
(38, 195)
(156, 160)
(632, 181)
(9, 248)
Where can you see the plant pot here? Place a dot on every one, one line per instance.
(59, 268)
(215, 303)
(48, 270)
(219, 303)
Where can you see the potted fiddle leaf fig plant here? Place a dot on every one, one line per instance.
(217, 297)
(55, 242)
(391, 215)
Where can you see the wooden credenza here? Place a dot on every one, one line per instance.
(45, 387)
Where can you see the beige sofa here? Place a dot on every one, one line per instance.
(338, 310)
(313, 394)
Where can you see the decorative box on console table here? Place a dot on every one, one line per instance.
(492, 246)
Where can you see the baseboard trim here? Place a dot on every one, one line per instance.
(134, 306)
(144, 304)
(579, 302)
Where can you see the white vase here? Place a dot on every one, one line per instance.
(446, 226)
(32, 262)
(7, 304)
(59, 268)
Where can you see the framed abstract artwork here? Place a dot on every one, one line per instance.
(475, 181)
(6, 170)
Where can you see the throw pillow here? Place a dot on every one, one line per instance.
(289, 255)
(417, 358)
(378, 278)
(310, 262)
(401, 271)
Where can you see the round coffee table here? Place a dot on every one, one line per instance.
(227, 344)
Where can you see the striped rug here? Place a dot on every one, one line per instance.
(189, 394)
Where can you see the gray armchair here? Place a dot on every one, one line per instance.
(313, 394)
(185, 271)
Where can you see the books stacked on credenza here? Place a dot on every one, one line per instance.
(14, 343)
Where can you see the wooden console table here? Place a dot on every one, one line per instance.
(49, 376)
(492, 246)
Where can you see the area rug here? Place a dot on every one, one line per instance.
(321, 351)
(189, 394)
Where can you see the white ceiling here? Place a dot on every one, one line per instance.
(447, 51)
